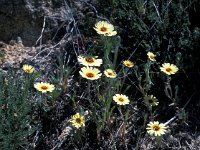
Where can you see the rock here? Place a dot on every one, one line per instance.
(24, 18)
(14, 53)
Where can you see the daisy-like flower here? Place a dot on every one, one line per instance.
(28, 68)
(105, 28)
(89, 61)
(151, 56)
(44, 87)
(154, 128)
(78, 120)
(110, 73)
(169, 68)
(151, 100)
(121, 99)
(128, 63)
(90, 73)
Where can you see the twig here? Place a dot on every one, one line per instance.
(176, 116)
(156, 10)
(40, 37)
(116, 135)
(68, 34)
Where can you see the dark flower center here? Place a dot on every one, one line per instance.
(121, 99)
(78, 120)
(150, 101)
(90, 60)
(168, 69)
(103, 29)
(44, 87)
(156, 128)
(110, 73)
(90, 75)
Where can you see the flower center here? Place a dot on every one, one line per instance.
(168, 69)
(78, 120)
(152, 57)
(28, 70)
(130, 65)
(90, 60)
(103, 29)
(90, 75)
(121, 99)
(150, 101)
(110, 73)
(44, 87)
(156, 128)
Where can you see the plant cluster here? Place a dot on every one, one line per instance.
(120, 91)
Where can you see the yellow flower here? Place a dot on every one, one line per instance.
(151, 100)
(28, 68)
(128, 63)
(78, 120)
(110, 73)
(44, 87)
(90, 73)
(89, 61)
(121, 99)
(154, 128)
(105, 28)
(169, 68)
(151, 56)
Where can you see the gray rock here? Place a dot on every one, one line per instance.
(24, 18)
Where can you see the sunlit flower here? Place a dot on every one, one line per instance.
(78, 120)
(44, 87)
(90, 73)
(121, 99)
(105, 28)
(128, 63)
(169, 68)
(151, 56)
(154, 128)
(151, 100)
(110, 73)
(89, 61)
(28, 68)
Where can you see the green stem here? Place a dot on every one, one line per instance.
(158, 139)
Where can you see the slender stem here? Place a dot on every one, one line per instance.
(159, 139)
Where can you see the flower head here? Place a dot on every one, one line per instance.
(105, 28)
(28, 68)
(121, 99)
(78, 120)
(44, 87)
(154, 128)
(89, 61)
(128, 63)
(151, 56)
(90, 73)
(169, 68)
(110, 73)
(151, 100)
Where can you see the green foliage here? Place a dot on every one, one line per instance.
(15, 109)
